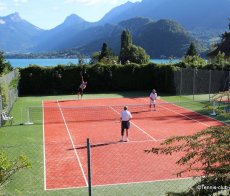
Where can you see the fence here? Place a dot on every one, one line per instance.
(9, 91)
(195, 82)
(116, 172)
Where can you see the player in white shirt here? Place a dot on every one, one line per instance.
(125, 123)
(152, 99)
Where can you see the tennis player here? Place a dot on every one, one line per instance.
(125, 123)
(81, 88)
(152, 99)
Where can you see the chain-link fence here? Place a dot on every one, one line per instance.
(8, 91)
(117, 169)
(200, 84)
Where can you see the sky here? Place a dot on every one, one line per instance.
(47, 14)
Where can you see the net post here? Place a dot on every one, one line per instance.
(181, 82)
(28, 117)
(89, 167)
(193, 86)
(1, 108)
(214, 109)
(210, 83)
(21, 121)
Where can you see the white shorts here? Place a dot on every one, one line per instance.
(152, 102)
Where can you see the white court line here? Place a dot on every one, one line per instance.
(159, 105)
(128, 183)
(136, 126)
(143, 182)
(68, 188)
(71, 139)
(44, 147)
(201, 115)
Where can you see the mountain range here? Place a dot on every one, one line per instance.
(191, 14)
(162, 27)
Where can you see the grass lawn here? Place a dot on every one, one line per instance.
(28, 139)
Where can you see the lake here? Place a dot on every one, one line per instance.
(54, 62)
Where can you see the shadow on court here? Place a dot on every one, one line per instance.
(95, 145)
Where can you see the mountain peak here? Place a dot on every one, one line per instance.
(15, 17)
(73, 18)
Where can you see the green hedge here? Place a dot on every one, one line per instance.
(37, 80)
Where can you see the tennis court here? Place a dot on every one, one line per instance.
(68, 124)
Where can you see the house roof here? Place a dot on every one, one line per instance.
(222, 47)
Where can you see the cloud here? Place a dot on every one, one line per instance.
(91, 2)
(19, 2)
(56, 8)
(3, 7)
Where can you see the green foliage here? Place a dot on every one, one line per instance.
(49, 80)
(126, 39)
(105, 52)
(109, 60)
(130, 52)
(103, 76)
(9, 167)
(37, 80)
(95, 57)
(14, 82)
(4, 93)
(137, 55)
(5, 66)
(191, 50)
(206, 152)
(220, 60)
(106, 56)
(193, 61)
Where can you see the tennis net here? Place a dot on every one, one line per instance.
(55, 114)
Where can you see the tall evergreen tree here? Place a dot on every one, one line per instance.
(130, 52)
(126, 39)
(105, 52)
(191, 50)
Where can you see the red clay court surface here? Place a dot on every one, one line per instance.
(113, 162)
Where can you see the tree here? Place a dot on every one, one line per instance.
(220, 59)
(130, 52)
(105, 52)
(126, 39)
(137, 55)
(81, 59)
(191, 50)
(105, 56)
(223, 46)
(9, 167)
(192, 59)
(207, 152)
(5, 66)
(95, 57)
